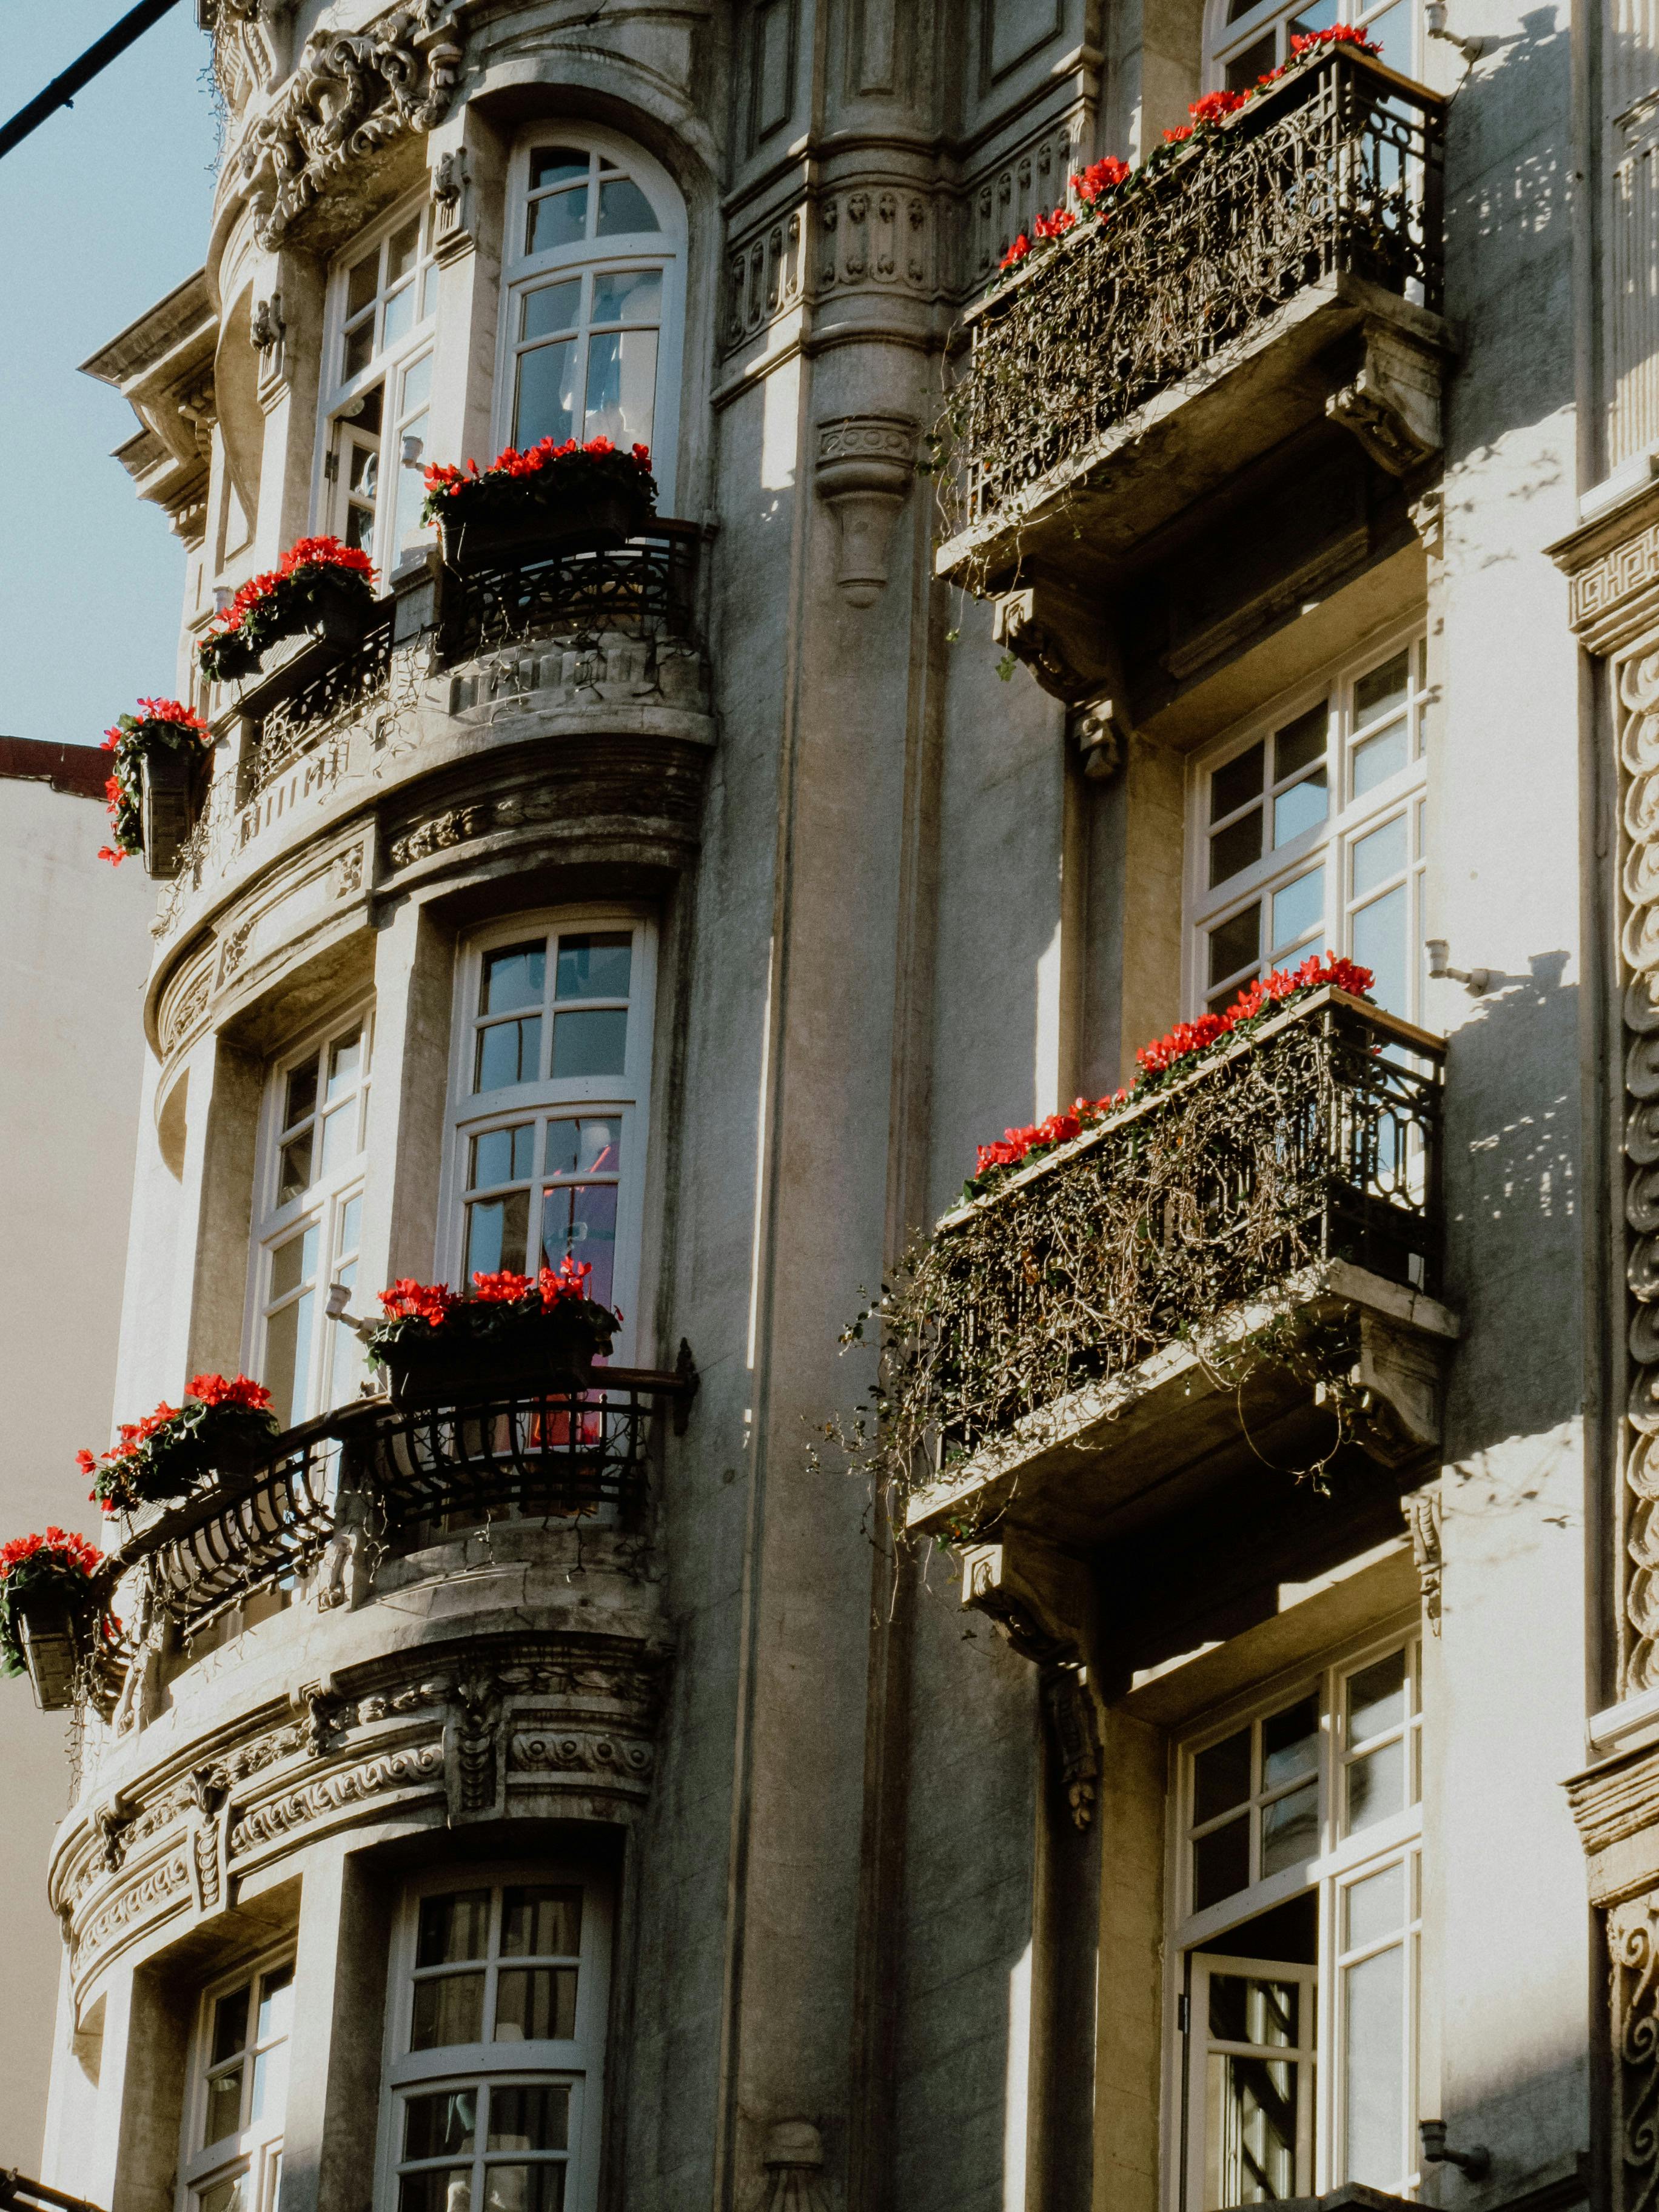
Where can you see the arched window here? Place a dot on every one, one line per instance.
(1248, 37)
(594, 261)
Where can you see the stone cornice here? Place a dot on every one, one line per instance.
(1611, 565)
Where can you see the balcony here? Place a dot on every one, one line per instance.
(1283, 272)
(1216, 1309)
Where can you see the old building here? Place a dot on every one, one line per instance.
(1202, 1747)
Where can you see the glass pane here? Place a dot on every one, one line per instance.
(1383, 690)
(624, 209)
(270, 2084)
(1374, 2073)
(398, 317)
(293, 1262)
(363, 281)
(1379, 944)
(287, 1358)
(551, 307)
(1221, 1863)
(536, 2004)
(351, 1223)
(359, 349)
(230, 2195)
(454, 1927)
(1379, 856)
(530, 2118)
(448, 2009)
(340, 1136)
(628, 295)
(1319, 17)
(514, 977)
(347, 1367)
(1299, 809)
(402, 250)
(546, 405)
(438, 2190)
(561, 219)
(1301, 743)
(301, 1093)
(224, 2104)
(1221, 1776)
(418, 384)
(599, 966)
(1233, 943)
(622, 385)
(406, 523)
(1290, 1830)
(1244, 69)
(508, 1053)
(590, 1044)
(275, 2004)
(1247, 2008)
(365, 470)
(541, 1923)
(558, 165)
(294, 1176)
(581, 1218)
(1298, 909)
(1376, 1786)
(584, 1146)
(1377, 1697)
(538, 2188)
(1239, 845)
(1290, 1742)
(1241, 779)
(1375, 1907)
(502, 1155)
(441, 2125)
(1252, 2130)
(1378, 758)
(497, 1232)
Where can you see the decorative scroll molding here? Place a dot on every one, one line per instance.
(1633, 1961)
(268, 335)
(1422, 1512)
(1041, 1599)
(157, 1892)
(438, 833)
(1070, 1715)
(863, 469)
(1393, 405)
(185, 1005)
(349, 95)
(882, 236)
(298, 1809)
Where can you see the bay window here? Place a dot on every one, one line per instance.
(377, 388)
(1248, 38)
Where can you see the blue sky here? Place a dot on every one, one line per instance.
(102, 211)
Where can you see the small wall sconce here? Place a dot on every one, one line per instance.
(1471, 49)
(1474, 2164)
(1476, 981)
(222, 596)
(413, 448)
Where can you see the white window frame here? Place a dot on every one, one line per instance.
(578, 2061)
(334, 1364)
(1341, 1861)
(664, 249)
(472, 1114)
(1225, 42)
(256, 2149)
(1347, 820)
(388, 365)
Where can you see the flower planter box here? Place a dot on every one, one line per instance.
(552, 1352)
(332, 627)
(56, 1634)
(607, 517)
(171, 784)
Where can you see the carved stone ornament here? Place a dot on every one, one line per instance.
(1422, 1512)
(1040, 1598)
(1633, 1963)
(349, 95)
(1101, 736)
(864, 467)
(452, 227)
(267, 332)
(1393, 405)
(793, 2158)
(1061, 639)
(1070, 1711)
(1400, 1374)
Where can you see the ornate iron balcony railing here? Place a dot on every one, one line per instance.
(1317, 1138)
(642, 589)
(337, 692)
(1338, 169)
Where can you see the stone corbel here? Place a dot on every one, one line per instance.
(1066, 643)
(793, 2158)
(864, 467)
(1393, 405)
(1422, 1512)
(1040, 1598)
(268, 333)
(1400, 1374)
(452, 206)
(1100, 732)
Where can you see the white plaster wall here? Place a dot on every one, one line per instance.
(73, 954)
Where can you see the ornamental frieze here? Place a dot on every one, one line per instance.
(333, 1793)
(888, 236)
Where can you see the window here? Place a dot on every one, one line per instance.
(591, 343)
(232, 2155)
(376, 389)
(1246, 37)
(548, 1093)
(1298, 1912)
(498, 2027)
(1308, 835)
(310, 1221)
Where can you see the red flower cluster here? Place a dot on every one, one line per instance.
(66, 1548)
(1187, 1038)
(1339, 35)
(131, 1437)
(158, 723)
(1101, 176)
(1217, 106)
(238, 1390)
(307, 555)
(443, 480)
(408, 1300)
(1017, 252)
(1056, 225)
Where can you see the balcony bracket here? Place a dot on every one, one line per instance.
(865, 465)
(1040, 1598)
(1400, 1375)
(1393, 405)
(1061, 638)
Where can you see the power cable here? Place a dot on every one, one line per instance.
(61, 92)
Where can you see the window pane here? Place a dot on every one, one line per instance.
(339, 1137)
(1301, 743)
(230, 2195)
(1378, 758)
(402, 250)
(346, 1368)
(546, 405)
(1376, 1786)
(1379, 856)
(417, 385)
(1221, 1776)
(581, 1219)
(558, 165)
(1221, 1863)
(287, 1358)
(1233, 943)
(584, 1146)
(508, 1053)
(1298, 909)
(524, 2188)
(497, 1232)
(1244, 69)
(536, 2004)
(622, 385)
(1299, 809)
(398, 319)
(1319, 17)
(590, 1044)
(1244, 2009)
(1290, 1830)
(454, 1927)
(1375, 1907)
(1290, 1742)
(275, 2004)
(301, 1093)
(1237, 847)
(351, 1222)
(441, 2125)
(448, 2009)
(541, 1923)
(1383, 691)
(516, 976)
(406, 525)
(561, 219)
(1374, 2083)
(624, 208)
(363, 281)
(1252, 2130)
(294, 1176)
(270, 2084)
(628, 295)
(359, 349)
(1241, 779)
(1379, 944)
(598, 966)
(437, 2189)
(551, 307)
(530, 2118)
(501, 1155)
(224, 2107)
(293, 1262)
(1377, 1697)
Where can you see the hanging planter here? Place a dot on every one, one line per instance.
(511, 1336)
(542, 500)
(224, 1427)
(157, 777)
(49, 1611)
(320, 587)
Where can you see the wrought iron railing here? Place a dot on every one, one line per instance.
(339, 691)
(642, 589)
(1336, 169)
(1317, 1138)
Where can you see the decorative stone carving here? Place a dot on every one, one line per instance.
(1065, 645)
(1023, 184)
(185, 1005)
(1071, 1716)
(1399, 1373)
(349, 95)
(1634, 1960)
(879, 237)
(1041, 1599)
(1422, 1512)
(864, 467)
(1101, 736)
(584, 1751)
(793, 2158)
(437, 833)
(473, 1739)
(452, 206)
(297, 1808)
(159, 1888)
(1393, 405)
(268, 332)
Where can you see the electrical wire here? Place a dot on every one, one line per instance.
(61, 92)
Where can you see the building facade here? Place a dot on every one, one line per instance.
(1199, 1745)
